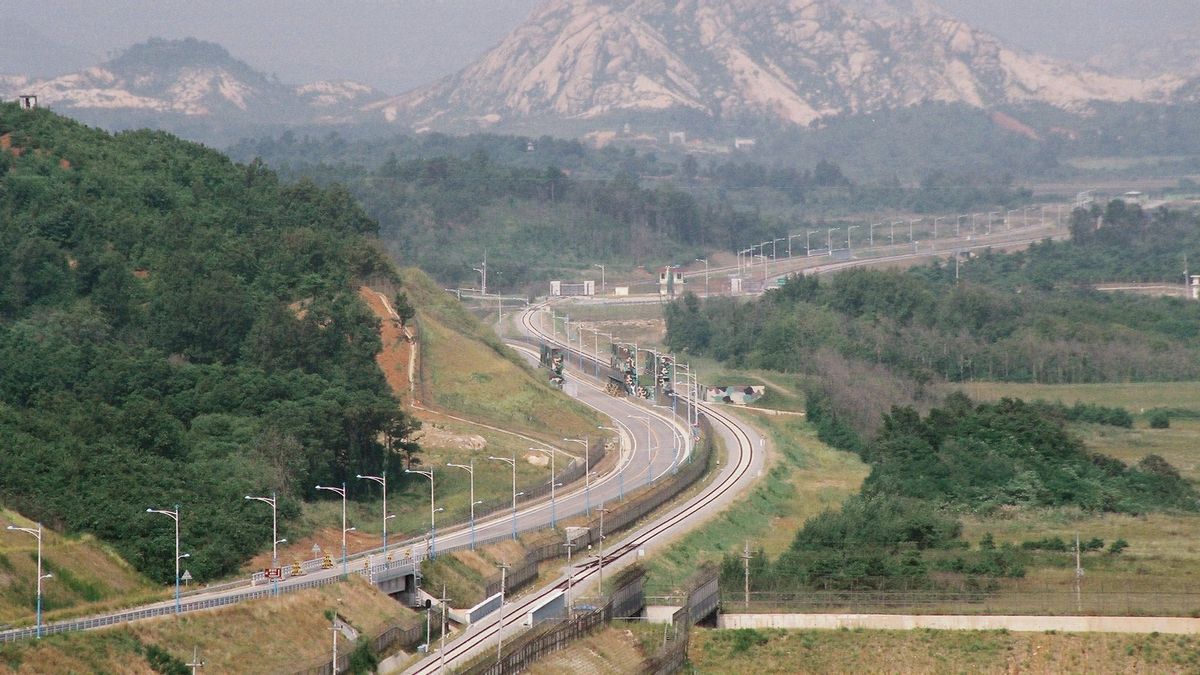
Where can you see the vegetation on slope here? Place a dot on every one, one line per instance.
(540, 206)
(178, 329)
(273, 635)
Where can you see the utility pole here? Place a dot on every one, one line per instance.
(500, 622)
(602, 284)
(442, 648)
(746, 569)
(1078, 578)
(196, 662)
(600, 559)
(570, 570)
(705, 261)
(333, 664)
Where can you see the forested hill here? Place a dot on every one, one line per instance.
(177, 329)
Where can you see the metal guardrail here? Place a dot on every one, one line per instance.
(137, 614)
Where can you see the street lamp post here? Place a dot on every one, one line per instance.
(382, 480)
(849, 232)
(173, 515)
(432, 522)
(705, 261)
(602, 283)
(272, 502)
(513, 463)
(470, 470)
(37, 534)
(341, 491)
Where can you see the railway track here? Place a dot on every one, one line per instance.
(744, 454)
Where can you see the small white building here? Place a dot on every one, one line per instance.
(1195, 287)
(677, 138)
(27, 101)
(744, 143)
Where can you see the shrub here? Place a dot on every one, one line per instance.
(1159, 419)
(1117, 546)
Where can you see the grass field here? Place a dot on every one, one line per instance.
(87, 575)
(1137, 397)
(805, 478)
(925, 651)
(242, 638)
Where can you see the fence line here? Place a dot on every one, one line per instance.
(397, 634)
(628, 599)
(1048, 602)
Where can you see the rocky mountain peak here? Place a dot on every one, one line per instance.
(793, 61)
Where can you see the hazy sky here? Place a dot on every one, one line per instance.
(397, 44)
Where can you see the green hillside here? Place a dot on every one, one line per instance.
(177, 329)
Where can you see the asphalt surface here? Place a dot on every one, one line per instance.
(744, 459)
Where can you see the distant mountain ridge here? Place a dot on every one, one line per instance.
(189, 78)
(794, 61)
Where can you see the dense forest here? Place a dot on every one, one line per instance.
(538, 206)
(983, 458)
(178, 329)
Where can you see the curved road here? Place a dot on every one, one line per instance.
(646, 449)
(744, 462)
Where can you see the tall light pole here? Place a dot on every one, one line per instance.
(470, 470)
(553, 478)
(849, 232)
(432, 522)
(829, 236)
(482, 269)
(587, 470)
(173, 515)
(513, 463)
(892, 233)
(705, 261)
(37, 534)
(602, 284)
(382, 480)
(341, 491)
(935, 226)
(272, 502)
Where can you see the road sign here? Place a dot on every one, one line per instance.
(273, 573)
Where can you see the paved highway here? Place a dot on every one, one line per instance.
(647, 448)
(743, 464)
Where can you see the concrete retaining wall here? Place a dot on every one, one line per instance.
(1066, 624)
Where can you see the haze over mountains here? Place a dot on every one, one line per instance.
(590, 62)
(165, 79)
(795, 61)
